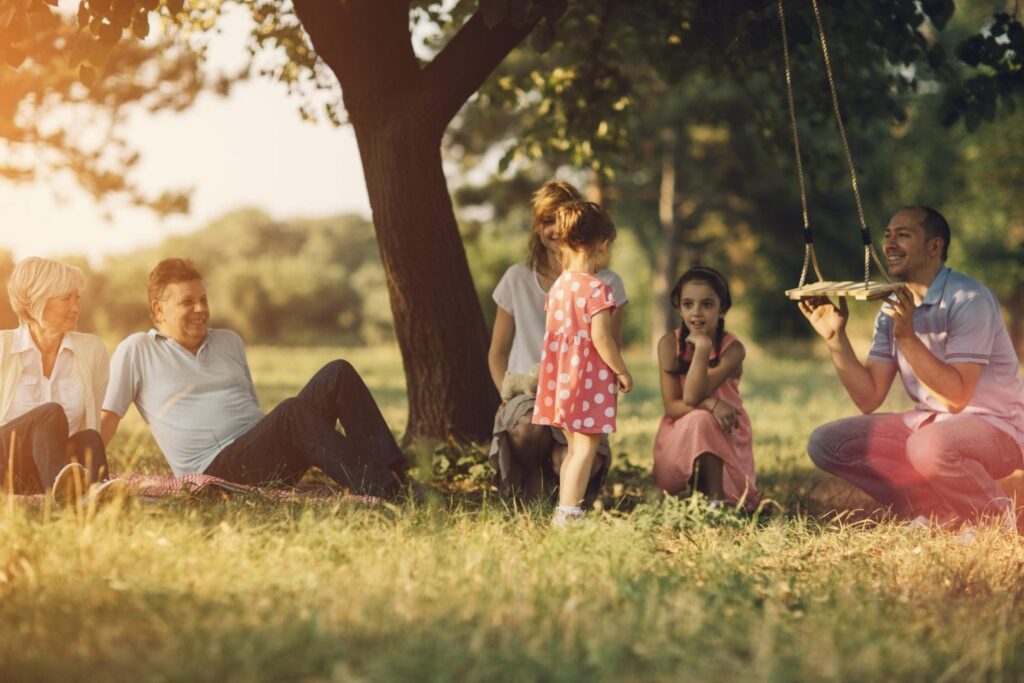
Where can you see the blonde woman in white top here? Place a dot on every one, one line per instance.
(52, 381)
(526, 456)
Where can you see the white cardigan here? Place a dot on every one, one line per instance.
(91, 370)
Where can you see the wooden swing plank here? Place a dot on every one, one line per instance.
(823, 288)
(847, 288)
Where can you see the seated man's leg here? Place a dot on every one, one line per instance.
(869, 451)
(338, 394)
(268, 452)
(293, 437)
(962, 457)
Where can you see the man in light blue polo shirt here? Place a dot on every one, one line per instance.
(944, 335)
(193, 387)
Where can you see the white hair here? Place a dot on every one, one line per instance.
(37, 280)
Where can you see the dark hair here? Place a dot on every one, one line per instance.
(544, 203)
(716, 281)
(583, 225)
(935, 225)
(169, 271)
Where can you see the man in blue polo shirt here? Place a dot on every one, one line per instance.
(193, 387)
(944, 335)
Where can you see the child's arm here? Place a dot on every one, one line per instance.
(671, 393)
(604, 341)
(730, 364)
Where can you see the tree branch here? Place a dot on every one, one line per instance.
(368, 46)
(464, 64)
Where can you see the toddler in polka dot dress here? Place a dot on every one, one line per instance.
(581, 366)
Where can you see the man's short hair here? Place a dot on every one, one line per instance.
(935, 225)
(169, 271)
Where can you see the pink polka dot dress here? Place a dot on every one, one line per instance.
(576, 389)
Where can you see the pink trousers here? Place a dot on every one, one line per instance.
(944, 468)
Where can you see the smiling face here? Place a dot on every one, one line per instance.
(547, 231)
(911, 254)
(183, 313)
(60, 314)
(700, 307)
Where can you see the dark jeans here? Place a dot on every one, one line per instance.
(36, 446)
(300, 433)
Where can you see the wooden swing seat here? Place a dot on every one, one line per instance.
(857, 290)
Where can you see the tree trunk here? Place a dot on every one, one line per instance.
(663, 316)
(438, 321)
(399, 110)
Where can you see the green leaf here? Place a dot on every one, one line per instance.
(519, 12)
(140, 25)
(109, 34)
(493, 11)
(554, 9)
(14, 57)
(87, 74)
(543, 37)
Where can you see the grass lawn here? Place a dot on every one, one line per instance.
(469, 590)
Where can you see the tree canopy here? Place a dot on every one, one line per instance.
(587, 86)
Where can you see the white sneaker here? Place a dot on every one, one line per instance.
(112, 491)
(567, 516)
(70, 484)
(921, 523)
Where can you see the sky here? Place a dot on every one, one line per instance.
(249, 149)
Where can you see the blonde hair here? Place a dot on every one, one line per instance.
(583, 226)
(545, 202)
(37, 280)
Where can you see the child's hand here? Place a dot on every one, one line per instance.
(700, 340)
(625, 381)
(726, 415)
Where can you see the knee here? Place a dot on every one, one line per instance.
(52, 416)
(926, 453)
(340, 368)
(821, 446)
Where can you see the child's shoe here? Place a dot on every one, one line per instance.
(567, 515)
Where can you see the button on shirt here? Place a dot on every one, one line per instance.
(195, 405)
(35, 389)
(959, 322)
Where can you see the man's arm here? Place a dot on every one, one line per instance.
(952, 383)
(867, 385)
(108, 425)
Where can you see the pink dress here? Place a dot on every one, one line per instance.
(678, 443)
(576, 389)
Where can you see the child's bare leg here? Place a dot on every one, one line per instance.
(709, 482)
(576, 468)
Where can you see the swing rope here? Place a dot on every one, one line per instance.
(869, 248)
(809, 256)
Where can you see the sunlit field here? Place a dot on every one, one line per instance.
(466, 588)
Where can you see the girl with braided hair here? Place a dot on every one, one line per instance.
(704, 440)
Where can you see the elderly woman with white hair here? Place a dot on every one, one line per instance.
(52, 381)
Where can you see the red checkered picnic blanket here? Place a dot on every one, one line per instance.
(191, 485)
